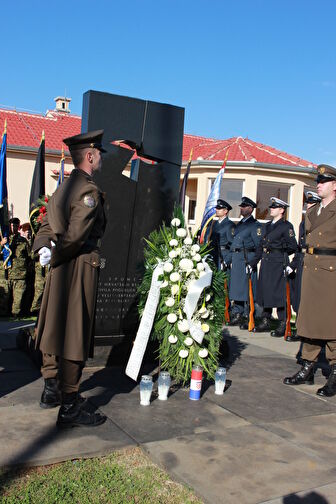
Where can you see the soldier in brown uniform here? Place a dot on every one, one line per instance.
(316, 318)
(69, 238)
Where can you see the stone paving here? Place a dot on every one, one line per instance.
(261, 442)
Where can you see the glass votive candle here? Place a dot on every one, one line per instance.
(146, 387)
(163, 385)
(220, 378)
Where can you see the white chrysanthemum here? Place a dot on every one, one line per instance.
(205, 328)
(174, 289)
(181, 232)
(188, 341)
(174, 277)
(170, 302)
(197, 258)
(192, 253)
(178, 251)
(203, 353)
(168, 267)
(207, 297)
(173, 243)
(172, 339)
(187, 241)
(200, 266)
(186, 264)
(183, 325)
(164, 284)
(172, 254)
(171, 317)
(183, 354)
(175, 222)
(196, 247)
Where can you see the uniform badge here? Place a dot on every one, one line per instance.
(233, 231)
(259, 231)
(321, 170)
(291, 233)
(89, 201)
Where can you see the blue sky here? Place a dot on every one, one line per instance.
(265, 69)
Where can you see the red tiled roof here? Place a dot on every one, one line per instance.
(25, 130)
(239, 149)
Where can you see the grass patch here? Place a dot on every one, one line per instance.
(126, 476)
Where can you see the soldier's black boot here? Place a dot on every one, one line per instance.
(72, 415)
(51, 395)
(305, 375)
(235, 319)
(280, 330)
(264, 326)
(329, 388)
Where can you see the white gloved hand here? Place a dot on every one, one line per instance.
(45, 255)
(248, 269)
(289, 270)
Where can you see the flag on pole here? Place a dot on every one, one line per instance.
(61, 171)
(38, 183)
(210, 207)
(3, 185)
(183, 189)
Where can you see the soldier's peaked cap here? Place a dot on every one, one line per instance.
(223, 204)
(312, 197)
(326, 173)
(91, 139)
(247, 202)
(277, 203)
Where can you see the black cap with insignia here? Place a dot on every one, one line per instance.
(92, 139)
(223, 204)
(326, 173)
(312, 197)
(277, 203)
(247, 202)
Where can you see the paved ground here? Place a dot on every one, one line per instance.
(262, 442)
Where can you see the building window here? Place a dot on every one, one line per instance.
(265, 190)
(192, 211)
(232, 192)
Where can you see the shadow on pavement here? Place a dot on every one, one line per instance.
(311, 498)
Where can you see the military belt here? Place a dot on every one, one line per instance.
(90, 245)
(268, 250)
(242, 250)
(318, 251)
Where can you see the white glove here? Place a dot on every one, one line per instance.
(289, 270)
(248, 269)
(45, 255)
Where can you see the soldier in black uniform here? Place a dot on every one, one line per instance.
(221, 235)
(278, 242)
(247, 236)
(296, 264)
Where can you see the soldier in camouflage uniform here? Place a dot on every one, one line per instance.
(13, 279)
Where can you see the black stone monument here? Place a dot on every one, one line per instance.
(134, 206)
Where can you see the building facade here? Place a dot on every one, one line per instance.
(252, 169)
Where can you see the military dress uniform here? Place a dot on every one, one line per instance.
(316, 320)
(72, 228)
(13, 279)
(246, 239)
(221, 236)
(296, 263)
(277, 243)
